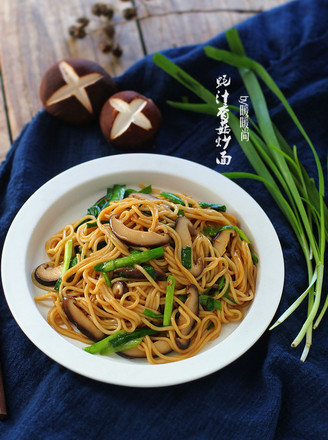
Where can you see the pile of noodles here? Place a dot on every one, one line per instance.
(110, 314)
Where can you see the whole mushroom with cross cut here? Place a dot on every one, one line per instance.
(74, 90)
(129, 120)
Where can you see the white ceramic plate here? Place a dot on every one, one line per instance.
(66, 197)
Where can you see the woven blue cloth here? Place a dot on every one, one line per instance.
(268, 393)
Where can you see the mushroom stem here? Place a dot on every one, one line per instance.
(186, 230)
(192, 303)
(221, 241)
(162, 346)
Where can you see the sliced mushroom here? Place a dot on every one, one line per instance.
(130, 272)
(119, 288)
(162, 346)
(78, 317)
(192, 303)
(185, 229)
(221, 240)
(47, 275)
(136, 237)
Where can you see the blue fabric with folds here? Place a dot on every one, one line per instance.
(267, 393)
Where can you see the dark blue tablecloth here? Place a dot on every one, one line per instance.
(266, 394)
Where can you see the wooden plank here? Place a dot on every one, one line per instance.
(4, 133)
(183, 22)
(33, 36)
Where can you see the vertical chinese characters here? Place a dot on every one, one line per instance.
(243, 112)
(223, 131)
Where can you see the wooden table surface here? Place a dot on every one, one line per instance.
(34, 35)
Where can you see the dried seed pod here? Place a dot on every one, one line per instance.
(83, 21)
(98, 9)
(129, 13)
(105, 46)
(117, 50)
(109, 30)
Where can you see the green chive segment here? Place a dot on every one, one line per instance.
(135, 258)
(168, 307)
(119, 341)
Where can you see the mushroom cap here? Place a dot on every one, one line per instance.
(138, 131)
(136, 237)
(47, 275)
(70, 109)
(81, 320)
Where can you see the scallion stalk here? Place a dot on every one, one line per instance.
(276, 165)
(119, 341)
(169, 297)
(135, 258)
(68, 251)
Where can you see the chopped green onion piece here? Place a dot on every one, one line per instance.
(151, 314)
(211, 231)
(209, 303)
(94, 224)
(173, 198)
(214, 206)
(115, 193)
(101, 245)
(129, 260)
(145, 190)
(228, 297)
(186, 257)
(181, 213)
(254, 257)
(221, 282)
(97, 207)
(169, 300)
(150, 270)
(67, 260)
(107, 279)
(119, 341)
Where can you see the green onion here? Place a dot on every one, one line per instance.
(209, 303)
(151, 314)
(135, 258)
(121, 340)
(169, 300)
(214, 206)
(145, 190)
(186, 257)
(276, 165)
(68, 250)
(97, 207)
(173, 198)
(94, 224)
(117, 192)
(107, 279)
(211, 231)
